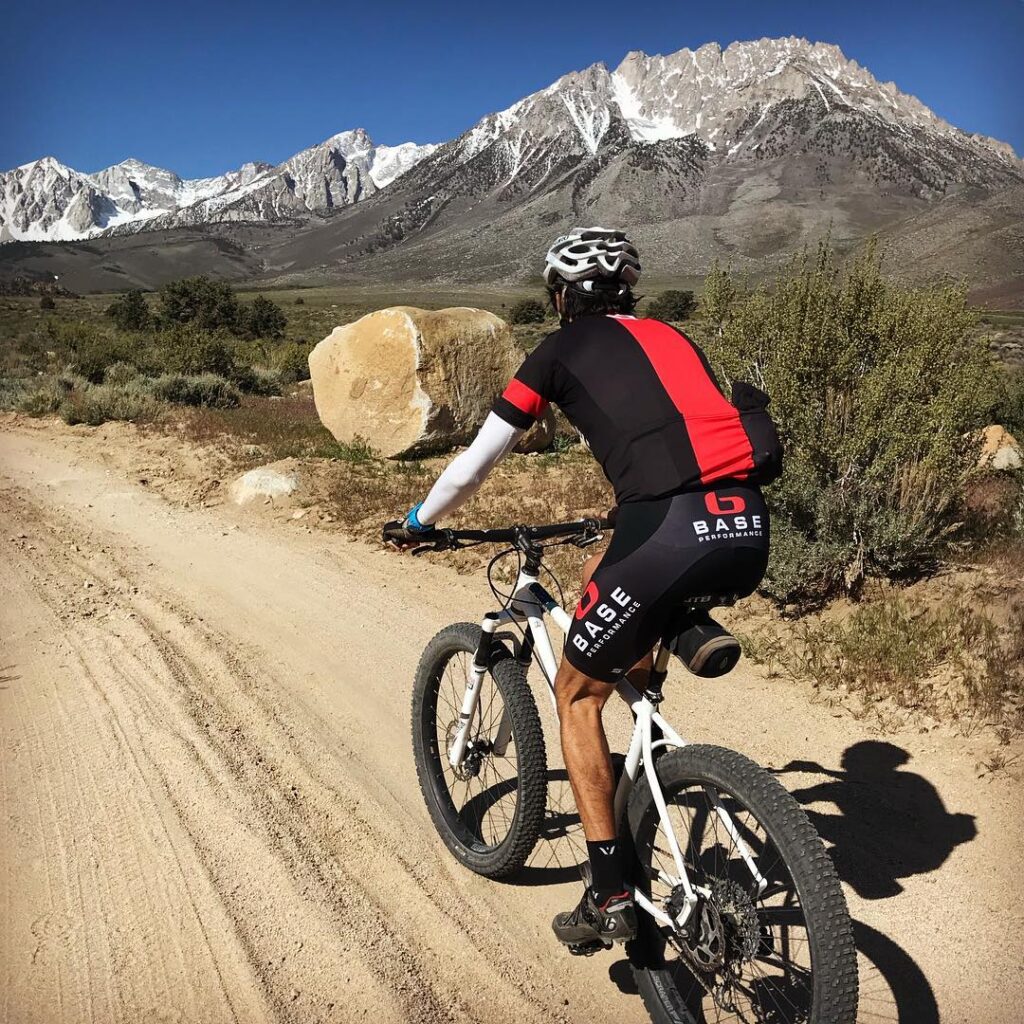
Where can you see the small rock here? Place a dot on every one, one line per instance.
(266, 482)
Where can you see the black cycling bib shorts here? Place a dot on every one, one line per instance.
(663, 552)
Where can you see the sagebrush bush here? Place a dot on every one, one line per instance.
(527, 311)
(89, 350)
(878, 391)
(190, 350)
(255, 381)
(97, 403)
(204, 390)
(672, 305)
(120, 373)
(42, 400)
(130, 311)
(291, 362)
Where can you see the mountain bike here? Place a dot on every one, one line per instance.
(742, 917)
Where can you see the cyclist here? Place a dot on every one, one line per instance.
(685, 465)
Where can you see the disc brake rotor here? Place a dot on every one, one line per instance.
(472, 759)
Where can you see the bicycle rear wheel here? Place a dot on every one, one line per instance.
(489, 810)
(785, 954)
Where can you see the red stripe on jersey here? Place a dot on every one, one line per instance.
(524, 398)
(720, 443)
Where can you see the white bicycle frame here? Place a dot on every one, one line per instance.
(528, 608)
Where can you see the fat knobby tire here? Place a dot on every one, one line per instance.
(510, 678)
(830, 934)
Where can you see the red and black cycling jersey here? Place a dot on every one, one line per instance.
(646, 400)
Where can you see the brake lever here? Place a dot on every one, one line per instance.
(587, 539)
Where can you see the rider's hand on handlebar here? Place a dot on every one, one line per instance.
(407, 533)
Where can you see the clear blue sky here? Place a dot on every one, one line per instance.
(203, 87)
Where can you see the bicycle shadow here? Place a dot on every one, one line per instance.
(891, 824)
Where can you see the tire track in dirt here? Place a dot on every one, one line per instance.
(185, 687)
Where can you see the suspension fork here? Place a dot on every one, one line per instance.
(474, 680)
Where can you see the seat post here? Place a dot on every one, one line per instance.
(658, 674)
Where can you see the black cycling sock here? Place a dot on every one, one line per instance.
(605, 869)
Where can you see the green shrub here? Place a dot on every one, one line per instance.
(97, 403)
(43, 400)
(191, 350)
(46, 302)
(878, 392)
(292, 362)
(130, 312)
(674, 306)
(120, 373)
(12, 391)
(198, 300)
(89, 350)
(266, 383)
(527, 311)
(255, 381)
(205, 390)
(262, 318)
(1009, 408)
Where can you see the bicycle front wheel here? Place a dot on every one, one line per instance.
(780, 952)
(489, 809)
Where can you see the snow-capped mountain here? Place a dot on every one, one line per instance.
(743, 154)
(775, 139)
(732, 102)
(47, 201)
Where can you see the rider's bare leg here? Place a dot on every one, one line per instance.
(581, 700)
(585, 749)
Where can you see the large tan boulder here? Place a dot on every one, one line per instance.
(412, 381)
(1000, 449)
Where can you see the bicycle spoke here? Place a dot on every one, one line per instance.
(483, 790)
(774, 984)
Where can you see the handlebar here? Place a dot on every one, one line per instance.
(582, 530)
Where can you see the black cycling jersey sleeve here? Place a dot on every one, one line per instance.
(534, 385)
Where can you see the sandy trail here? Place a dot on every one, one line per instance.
(210, 809)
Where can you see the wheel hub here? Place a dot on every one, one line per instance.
(473, 758)
(739, 917)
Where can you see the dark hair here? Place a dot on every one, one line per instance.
(577, 302)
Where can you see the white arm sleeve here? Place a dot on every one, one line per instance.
(467, 471)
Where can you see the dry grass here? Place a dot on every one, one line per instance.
(953, 660)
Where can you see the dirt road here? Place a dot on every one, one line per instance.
(210, 810)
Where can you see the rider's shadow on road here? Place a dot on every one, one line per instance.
(890, 824)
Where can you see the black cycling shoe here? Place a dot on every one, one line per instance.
(591, 927)
(704, 647)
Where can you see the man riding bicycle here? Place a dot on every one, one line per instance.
(684, 463)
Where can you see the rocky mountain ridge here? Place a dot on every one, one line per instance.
(742, 154)
(47, 201)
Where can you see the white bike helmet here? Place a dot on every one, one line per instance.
(586, 255)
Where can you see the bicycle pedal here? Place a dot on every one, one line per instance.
(588, 948)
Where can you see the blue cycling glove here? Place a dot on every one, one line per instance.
(412, 522)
